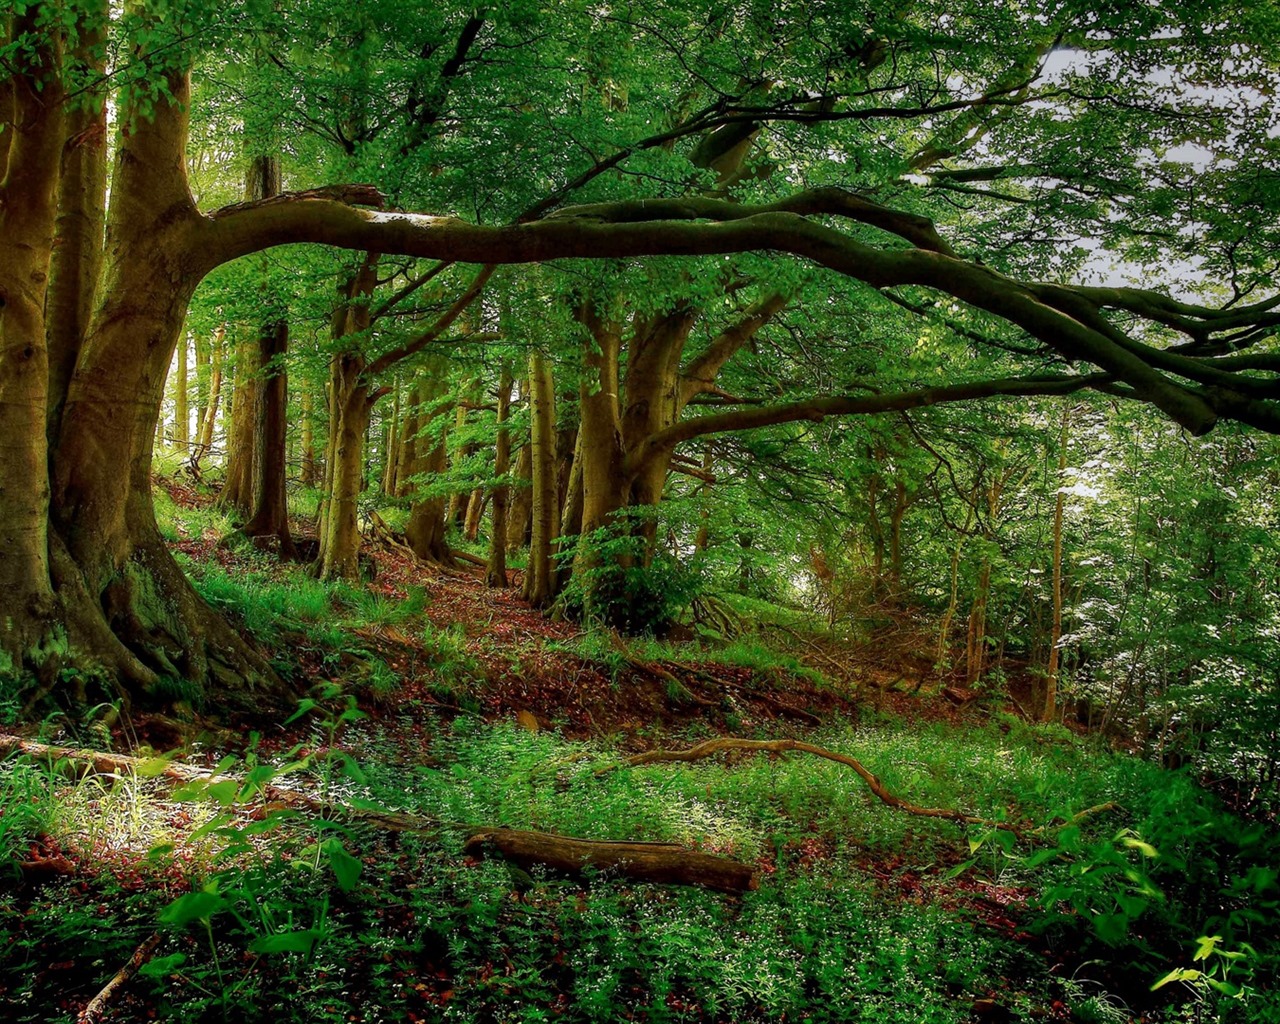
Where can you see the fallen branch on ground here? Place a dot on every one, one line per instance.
(759, 695)
(96, 1006)
(709, 748)
(665, 863)
(662, 863)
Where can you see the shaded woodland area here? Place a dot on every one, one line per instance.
(694, 512)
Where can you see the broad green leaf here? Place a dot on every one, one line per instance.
(346, 868)
(163, 966)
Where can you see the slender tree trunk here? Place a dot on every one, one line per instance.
(209, 415)
(391, 446)
(181, 410)
(496, 571)
(521, 500)
(703, 536)
(308, 442)
(1050, 709)
(202, 347)
(427, 454)
(239, 469)
(456, 517)
(270, 514)
(539, 583)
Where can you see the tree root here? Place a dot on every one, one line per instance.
(97, 1006)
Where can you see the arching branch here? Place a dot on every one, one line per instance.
(817, 409)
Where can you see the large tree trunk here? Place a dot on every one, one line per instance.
(604, 489)
(82, 198)
(129, 609)
(350, 408)
(28, 212)
(340, 542)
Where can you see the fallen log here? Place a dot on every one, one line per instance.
(663, 863)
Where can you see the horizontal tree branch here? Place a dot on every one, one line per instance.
(817, 409)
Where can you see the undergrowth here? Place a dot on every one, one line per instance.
(863, 913)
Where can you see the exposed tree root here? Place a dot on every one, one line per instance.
(97, 1006)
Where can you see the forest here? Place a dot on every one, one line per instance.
(700, 511)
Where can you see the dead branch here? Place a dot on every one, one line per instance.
(746, 691)
(96, 1006)
(662, 863)
(709, 748)
(658, 672)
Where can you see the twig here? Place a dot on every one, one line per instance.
(96, 1006)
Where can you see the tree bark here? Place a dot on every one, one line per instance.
(28, 213)
(521, 500)
(427, 454)
(539, 579)
(350, 408)
(1050, 708)
(661, 863)
(238, 464)
(496, 570)
(269, 509)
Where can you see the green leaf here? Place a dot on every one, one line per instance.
(1146, 849)
(163, 966)
(1177, 974)
(961, 868)
(193, 906)
(346, 868)
(1207, 944)
(153, 767)
(286, 942)
(305, 705)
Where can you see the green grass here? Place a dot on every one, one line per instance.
(828, 936)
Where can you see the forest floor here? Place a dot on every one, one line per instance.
(432, 694)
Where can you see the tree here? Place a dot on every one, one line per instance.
(86, 575)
